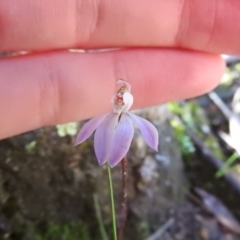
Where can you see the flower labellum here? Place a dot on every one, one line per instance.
(114, 131)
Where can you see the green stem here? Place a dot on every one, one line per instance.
(112, 204)
(124, 199)
(99, 217)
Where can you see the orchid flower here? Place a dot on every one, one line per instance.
(114, 131)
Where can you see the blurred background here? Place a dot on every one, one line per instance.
(189, 190)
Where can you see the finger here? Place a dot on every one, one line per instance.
(53, 88)
(209, 25)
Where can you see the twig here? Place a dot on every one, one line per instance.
(232, 138)
(161, 230)
(221, 105)
(124, 199)
(216, 162)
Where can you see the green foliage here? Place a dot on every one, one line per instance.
(227, 165)
(70, 231)
(227, 78)
(191, 115)
(67, 129)
(230, 75)
(237, 67)
(189, 111)
(30, 146)
(183, 139)
(144, 228)
(99, 217)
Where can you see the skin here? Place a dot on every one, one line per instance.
(169, 51)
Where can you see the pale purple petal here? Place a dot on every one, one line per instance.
(121, 140)
(148, 130)
(103, 137)
(88, 128)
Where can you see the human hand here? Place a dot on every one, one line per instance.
(172, 54)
